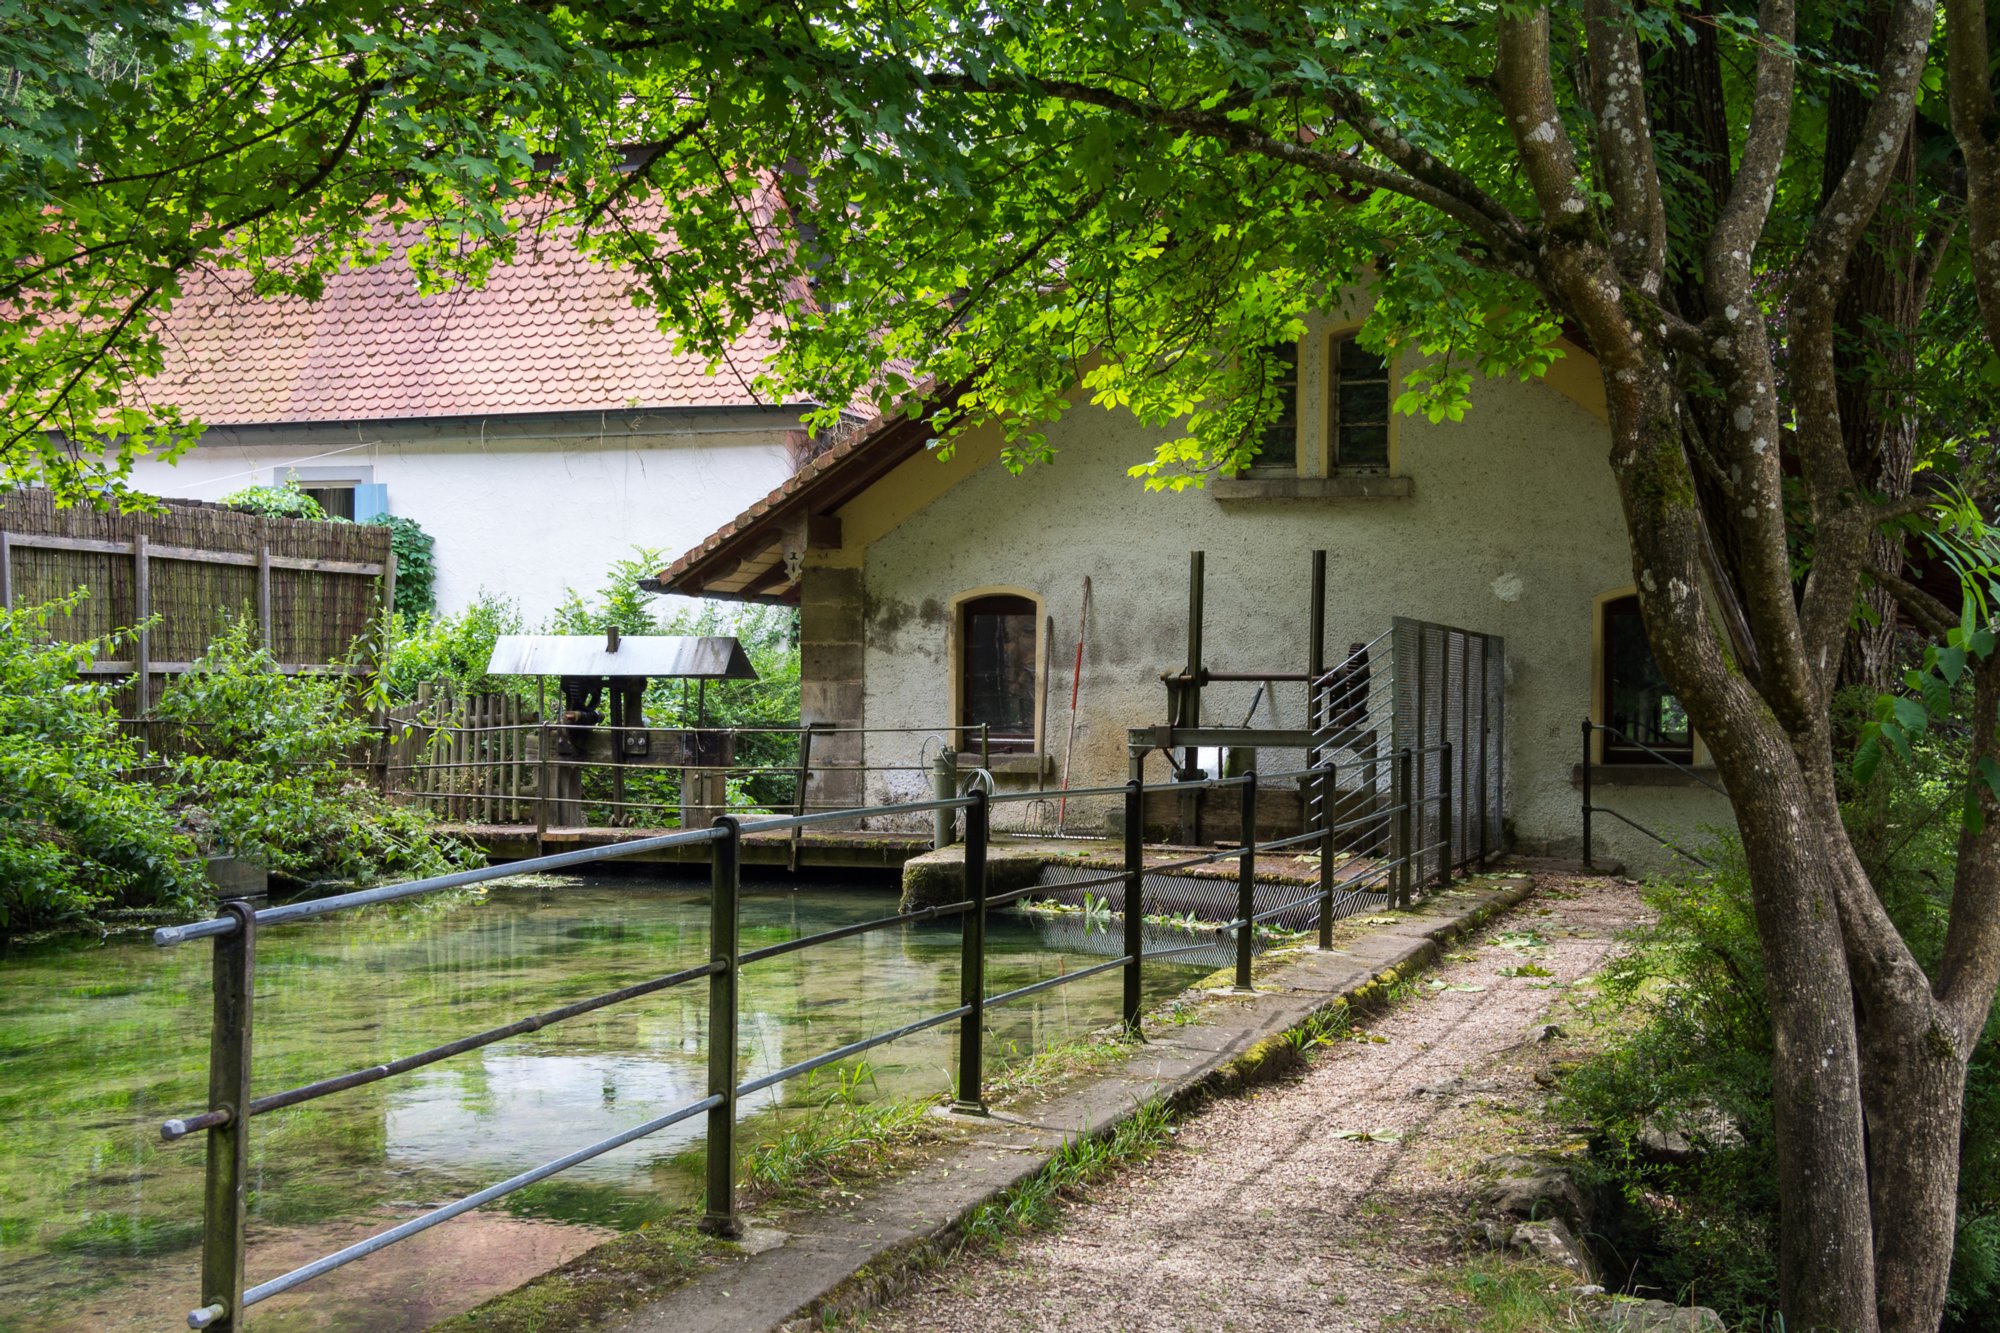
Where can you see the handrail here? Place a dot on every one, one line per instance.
(1591, 808)
(235, 929)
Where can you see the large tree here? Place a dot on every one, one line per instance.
(1777, 232)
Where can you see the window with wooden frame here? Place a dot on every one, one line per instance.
(1278, 452)
(1357, 408)
(996, 672)
(1648, 724)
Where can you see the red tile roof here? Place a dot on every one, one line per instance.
(551, 332)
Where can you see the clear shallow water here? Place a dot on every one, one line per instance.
(99, 1221)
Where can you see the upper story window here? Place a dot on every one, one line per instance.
(1359, 408)
(996, 664)
(1639, 705)
(1280, 449)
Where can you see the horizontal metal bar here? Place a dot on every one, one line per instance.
(362, 1249)
(1670, 846)
(1093, 882)
(176, 1129)
(1003, 797)
(858, 928)
(1313, 835)
(852, 1048)
(1282, 908)
(388, 893)
(1021, 992)
(782, 822)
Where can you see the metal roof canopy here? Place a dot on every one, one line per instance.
(684, 657)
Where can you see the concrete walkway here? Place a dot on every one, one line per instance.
(1326, 1202)
(848, 1257)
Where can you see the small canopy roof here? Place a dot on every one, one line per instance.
(718, 657)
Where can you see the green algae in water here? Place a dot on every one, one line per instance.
(99, 1220)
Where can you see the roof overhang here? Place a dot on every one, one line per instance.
(715, 657)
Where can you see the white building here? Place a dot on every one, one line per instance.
(539, 427)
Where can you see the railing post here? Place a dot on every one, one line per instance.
(1445, 814)
(1246, 884)
(725, 878)
(1135, 908)
(1586, 794)
(1405, 844)
(944, 786)
(1329, 792)
(971, 1099)
(225, 1196)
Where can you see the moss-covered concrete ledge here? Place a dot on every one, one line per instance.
(933, 878)
(843, 1259)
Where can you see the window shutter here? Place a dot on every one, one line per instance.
(370, 499)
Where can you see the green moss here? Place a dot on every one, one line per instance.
(616, 1276)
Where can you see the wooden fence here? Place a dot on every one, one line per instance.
(468, 757)
(314, 587)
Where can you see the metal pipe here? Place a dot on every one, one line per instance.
(971, 1099)
(1246, 884)
(1404, 839)
(725, 879)
(1134, 906)
(1329, 788)
(843, 932)
(1316, 624)
(1586, 794)
(1046, 983)
(362, 1249)
(176, 1129)
(852, 1048)
(225, 1194)
(1445, 814)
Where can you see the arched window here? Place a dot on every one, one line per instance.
(1358, 407)
(996, 666)
(1647, 721)
(1280, 448)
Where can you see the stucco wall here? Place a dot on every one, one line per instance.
(523, 508)
(1513, 529)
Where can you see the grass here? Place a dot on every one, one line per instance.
(617, 1275)
(808, 1151)
(1037, 1202)
(1509, 1295)
(1059, 1061)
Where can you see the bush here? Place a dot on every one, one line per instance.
(416, 564)
(427, 649)
(1694, 981)
(78, 834)
(265, 771)
(285, 501)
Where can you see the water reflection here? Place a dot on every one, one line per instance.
(100, 1043)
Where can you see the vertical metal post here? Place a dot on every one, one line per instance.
(1316, 631)
(725, 878)
(944, 786)
(6, 571)
(799, 794)
(971, 1099)
(1405, 844)
(1329, 793)
(1246, 884)
(1586, 794)
(1445, 812)
(1463, 805)
(142, 606)
(1485, 727)
(1134, 905)
(1419, 771)
(264, 596)
(986, 746)
(227, 1190)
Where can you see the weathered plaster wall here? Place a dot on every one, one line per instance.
(1513, 529)
(520, 507)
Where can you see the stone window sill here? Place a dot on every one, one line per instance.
(1360, 486)
(1006, 762)
(1640, 775)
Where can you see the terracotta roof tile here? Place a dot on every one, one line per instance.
(551, 332)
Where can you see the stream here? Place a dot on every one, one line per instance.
(100, 1221)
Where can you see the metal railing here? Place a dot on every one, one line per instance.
(232, 1105)
(1591, 729)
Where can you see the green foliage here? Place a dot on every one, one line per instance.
(264, 770)
(79, 830)
(425, 649)
(416, 564)
(282, 501)
(1692, 987)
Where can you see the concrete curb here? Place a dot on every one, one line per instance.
(840, 1261)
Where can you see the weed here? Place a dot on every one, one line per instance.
(1036, 1202)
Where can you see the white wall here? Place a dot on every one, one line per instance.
(520, 508)
(1514, 529)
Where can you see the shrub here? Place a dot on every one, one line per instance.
(416, 564)
(77, 833)
(426, 649)
(283, 501)
(265, 770)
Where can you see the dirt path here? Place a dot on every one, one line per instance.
(1263, 1216)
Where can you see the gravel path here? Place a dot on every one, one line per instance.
(1260, 1217)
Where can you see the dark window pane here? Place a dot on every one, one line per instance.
(997, 666)
(1364, 404)
(1356, 362)
(337, 501)
(1639, 705)
(1364, 446)
(1281, 438)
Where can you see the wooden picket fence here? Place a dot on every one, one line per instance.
(465, 756)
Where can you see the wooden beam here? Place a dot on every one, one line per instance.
(774, 577)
